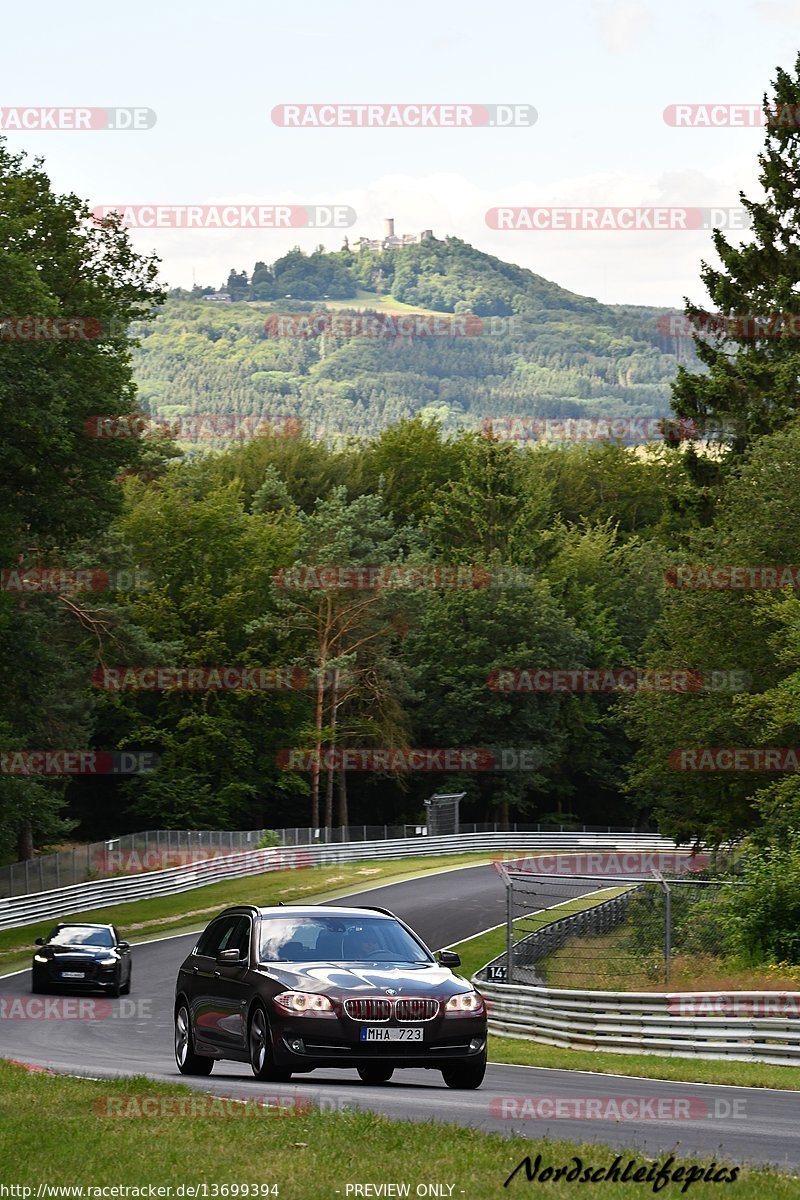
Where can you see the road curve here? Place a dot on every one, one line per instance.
(133, 1036)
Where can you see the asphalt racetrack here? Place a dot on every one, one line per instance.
(134, 1036)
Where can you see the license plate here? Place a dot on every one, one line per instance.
(73, 974)
(370, 1034)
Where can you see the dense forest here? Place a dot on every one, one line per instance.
(385, 582)
(530, 349)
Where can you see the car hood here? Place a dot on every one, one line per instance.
(333, 978)
(88, 952)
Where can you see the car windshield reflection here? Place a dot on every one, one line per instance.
(319, 939)
(82, 935)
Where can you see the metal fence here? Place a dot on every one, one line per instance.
(157, 849)
(570, 929)
(69, 901)
(632, 926)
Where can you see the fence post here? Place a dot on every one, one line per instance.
(667, 931)
(509, 932)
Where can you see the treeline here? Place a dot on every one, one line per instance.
(199, 356)
(494, 560)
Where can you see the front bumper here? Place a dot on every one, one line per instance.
(94, 976)
(305, 1042)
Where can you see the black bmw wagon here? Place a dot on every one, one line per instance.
(297, 987)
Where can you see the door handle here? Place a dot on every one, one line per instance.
(216, 974)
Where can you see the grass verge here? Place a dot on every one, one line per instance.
(649, 1066)
(53, 1130)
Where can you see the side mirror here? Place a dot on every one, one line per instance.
(449, 958)
(39, 942)
(231, 957)
(123, 945)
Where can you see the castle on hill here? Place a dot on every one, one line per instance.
(391, 240)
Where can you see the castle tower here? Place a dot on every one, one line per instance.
(388, 227)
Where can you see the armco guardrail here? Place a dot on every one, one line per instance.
(717, 1025)
(27, 909)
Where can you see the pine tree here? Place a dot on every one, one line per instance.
(753, 382)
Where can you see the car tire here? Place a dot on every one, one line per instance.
(465, 1075)
(37, 986)
(259, 1044)
(125, 990)
(189, 1063)
(116, 987)
(375, 1073)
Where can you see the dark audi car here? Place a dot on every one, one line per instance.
(82, 956)
(296, 987)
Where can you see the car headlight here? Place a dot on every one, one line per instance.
(464, 1004)
(303, 1004)
(42, 958)
(107, 962)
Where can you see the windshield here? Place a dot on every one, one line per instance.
(338, 939)
(81, 935)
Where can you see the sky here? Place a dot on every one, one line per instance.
(598, 72)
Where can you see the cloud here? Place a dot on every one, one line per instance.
(780, 12)
(622, 24)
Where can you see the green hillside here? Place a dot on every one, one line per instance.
(537, 350)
